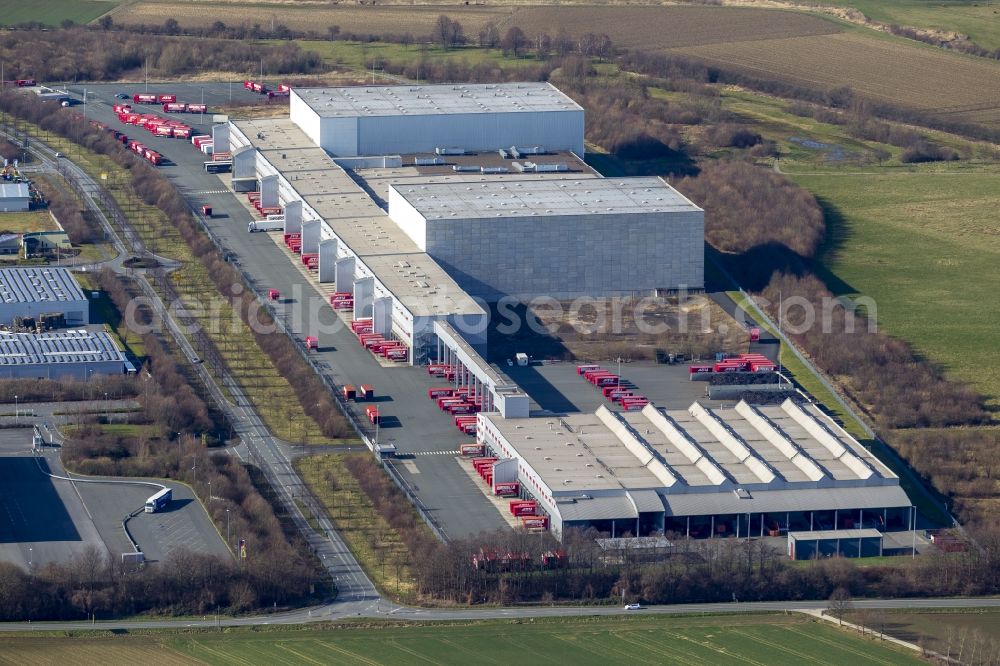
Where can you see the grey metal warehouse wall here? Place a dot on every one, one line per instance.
(567, 256)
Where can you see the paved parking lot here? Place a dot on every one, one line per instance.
(43, 519)
(556, 388)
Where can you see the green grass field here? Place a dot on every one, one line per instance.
(978, 19)
(54, 12)
(923, 243)
(646, 639)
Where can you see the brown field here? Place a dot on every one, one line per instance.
(417, 20)
(958, 87)
(672, 27)
(104, 650)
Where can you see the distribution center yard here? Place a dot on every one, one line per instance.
(739, 639)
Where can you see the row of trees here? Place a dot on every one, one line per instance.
(93, 55)
(696, 571)
(897, 389)
(79, 226)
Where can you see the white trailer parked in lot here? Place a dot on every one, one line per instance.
(272, 223)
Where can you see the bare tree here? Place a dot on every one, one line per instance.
(839, 604)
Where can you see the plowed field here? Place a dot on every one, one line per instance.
(951, 85)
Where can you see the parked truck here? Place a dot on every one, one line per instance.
(159, 501)
(265, 225)
(144, 98)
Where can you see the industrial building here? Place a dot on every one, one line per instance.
(700, 472)
(560, 238)
(835, 543)
(77, 354)
(14, 197)
(33, 291)
(394, 120)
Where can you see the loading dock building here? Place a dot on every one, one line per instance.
(32, 291)
(746, 471)
(387, 120)
(77, 354)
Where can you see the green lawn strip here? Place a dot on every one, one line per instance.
(376, 545)
(54, 12)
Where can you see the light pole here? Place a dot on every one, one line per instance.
(228, 543)
(30, 557)
(107, 409)
(209, 491)
(15, 410)
(194, 468)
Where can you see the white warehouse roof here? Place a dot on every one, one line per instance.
(73, 346)
(14, 191)
(698, 450)
(446, 99)
(42, 284)
(546, 197)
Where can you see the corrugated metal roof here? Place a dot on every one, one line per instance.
(780, 501)
(647, 501)
(836, 534)
(74, 346)
(38, 285)
(14, 191)
(597, 508)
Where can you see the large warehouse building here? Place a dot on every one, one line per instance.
(561, 238)
(32, 291)
(76, 354)
(750, 471)
(14, 197)
(394, 120)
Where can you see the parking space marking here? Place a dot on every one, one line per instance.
(411, 467)
(450, 452)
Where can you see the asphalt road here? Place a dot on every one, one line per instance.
(340, 610)
(411, 421)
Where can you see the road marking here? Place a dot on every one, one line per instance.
(212, 192)
(411, 467)
(435, 453)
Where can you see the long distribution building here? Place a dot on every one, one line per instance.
(32, 291)
(384, 120)
(700, 472)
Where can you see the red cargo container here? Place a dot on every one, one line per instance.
(284, 87)
(247, 84)
(341, 296)
(182, 132)
(608, 380)
(535, 522)
(144, 98)
(344, 305)
(311, 342)
(444, 403)
(372, 413)
(441, 392)
(175, 107)
(597, 370)
(635, 406)
(462, 408)
(348, 391)
(258, 87)
(273, 294)
(26, 83)
(580, 369)
(309, 258)
(366, 392)
(699, 369)
(122, 108)
(197, 108)
(524, 509)
(270, 210)
(472, 449)
(506, 488)
(164, 130)
(163, 99)
(154, 157)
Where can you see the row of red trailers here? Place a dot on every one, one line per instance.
(119, 136)
(171, 129)
(527, 511)
(376, 343)
(741, 363)
(461, 405)
(613, 388)
(342, 300)
(284, 90)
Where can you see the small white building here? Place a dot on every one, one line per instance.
(14, 198)
(35, 290)
(393, 120)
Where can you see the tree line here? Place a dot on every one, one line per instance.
(80, 226)
(98, 55)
